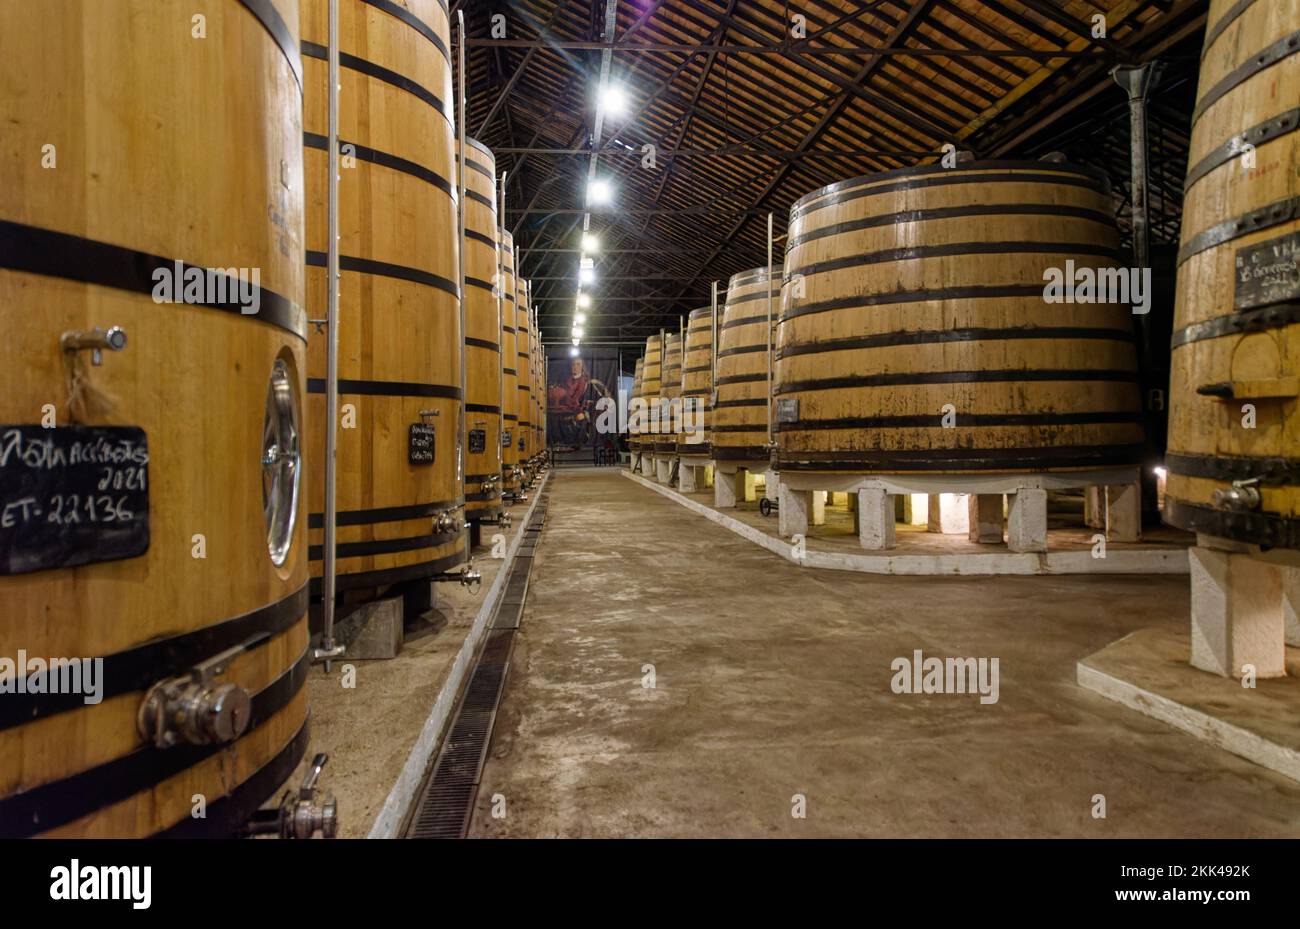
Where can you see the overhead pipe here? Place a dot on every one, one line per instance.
(769, 329)
(460, 251)
(328, 649)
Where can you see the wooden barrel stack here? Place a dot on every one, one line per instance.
(482, 338)
(670, 392)
(651, 381)
(738, 426)
(1237, 317)
(697, 384)
(509, 367)
(399, 332)
(176, 555)
(881, 338)
(523, 364)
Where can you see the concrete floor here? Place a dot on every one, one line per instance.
(773, 680)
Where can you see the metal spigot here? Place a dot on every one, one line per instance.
(196, 709)
(96, 340)
(1241, 496)
(299, 816)
(445, 522)
(505, 520)
(470, 577)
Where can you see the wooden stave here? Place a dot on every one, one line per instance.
(1216, 338)
(738, 420)
(482, 335)
(83, 788)
(867, 221)
(697, 384)
(375, 480)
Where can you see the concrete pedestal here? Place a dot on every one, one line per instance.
(985, 518)
(875, 519)
(731, 488)
(1124, 512)
(1027, 520)
(794, 511)
(685, 477)
(1238, 613)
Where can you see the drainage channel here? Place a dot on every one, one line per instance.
(446, 802)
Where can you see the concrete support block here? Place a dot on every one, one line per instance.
(1291, 605)
(1027, 520)
(1124, 512)
(1094, 507)
(947, 513)
(985, 518)
(372, 630)
(794, 511)
(728, 489)
(686, 478)
(875, 519)
(663, 468)
(819, 507)
(1237, 614)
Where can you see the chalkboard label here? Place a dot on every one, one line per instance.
(1268, 273)
(421, 446)
(477, 441)
(505, 438)
(521, 443)
(72, 495)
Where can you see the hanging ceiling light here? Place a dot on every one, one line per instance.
(599, 192)
(613, 100)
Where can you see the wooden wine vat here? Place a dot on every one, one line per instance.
(697, 384)
(524, 365)
(482, 338)
(509, 366)
(163, 521)
(670, 392)
(399, 317)
(738, 424)
(634, 423)
(915, 335)
(651, 368)
(1234, 430)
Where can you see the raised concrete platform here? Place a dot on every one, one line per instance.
(1148, 671)
(835, 545)
(381, 731)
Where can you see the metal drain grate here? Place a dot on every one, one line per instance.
(449, 796)
(447, 801)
